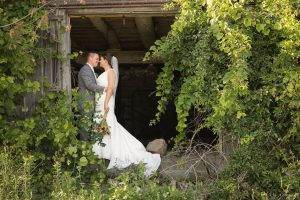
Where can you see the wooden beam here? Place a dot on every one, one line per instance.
(122, 11)
(120, 15)
(146, 30)
(104, 3)
(109, 35)
(124, 57)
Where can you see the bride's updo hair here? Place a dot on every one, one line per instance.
(106, 56)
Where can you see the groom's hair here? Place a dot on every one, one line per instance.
(106, 56)
(91, 54)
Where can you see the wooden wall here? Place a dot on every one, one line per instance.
(57, 72)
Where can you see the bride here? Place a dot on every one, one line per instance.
(121, 148)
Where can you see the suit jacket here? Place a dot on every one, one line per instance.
(87, 87)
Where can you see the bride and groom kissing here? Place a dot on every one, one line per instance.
(120, 147)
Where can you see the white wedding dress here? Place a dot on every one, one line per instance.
(121, 148)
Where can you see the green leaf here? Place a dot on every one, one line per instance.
(277, 26)
(237, 16)
(266, 31)
(51, 96)
(83, 161)
(219, 35)
(247, 21)
(240, 114)
(72, 150)
(260, 27)
(3, 60)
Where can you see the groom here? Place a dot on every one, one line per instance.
(87, 87)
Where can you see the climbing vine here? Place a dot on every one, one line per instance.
(237, 63)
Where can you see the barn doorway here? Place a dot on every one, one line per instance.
(128, 38)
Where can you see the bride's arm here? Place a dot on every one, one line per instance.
(109, 89)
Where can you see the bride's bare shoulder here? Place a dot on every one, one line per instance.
(111, 73)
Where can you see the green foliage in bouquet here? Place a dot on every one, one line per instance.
(100, 129)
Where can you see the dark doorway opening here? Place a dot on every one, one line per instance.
(136, 103)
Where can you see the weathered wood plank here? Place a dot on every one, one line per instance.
(121, 11)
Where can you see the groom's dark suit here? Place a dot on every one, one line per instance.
(87, 87)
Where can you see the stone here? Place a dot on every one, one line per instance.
(158, 146)
(192, 166)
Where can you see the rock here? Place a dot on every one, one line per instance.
(192, 166)
(158, 146)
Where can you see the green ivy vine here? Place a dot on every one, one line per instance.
(238, 62)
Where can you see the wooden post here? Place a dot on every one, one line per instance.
(65, 48)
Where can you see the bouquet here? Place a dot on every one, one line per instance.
(99, 130)
(102, 128)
